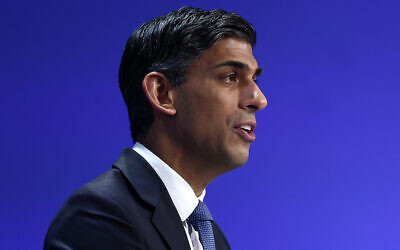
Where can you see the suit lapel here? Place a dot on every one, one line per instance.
(221, 243)
(166, 219)
(150, 188)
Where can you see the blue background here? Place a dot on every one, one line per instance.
(322, 174)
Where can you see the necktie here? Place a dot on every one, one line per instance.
(201, 220)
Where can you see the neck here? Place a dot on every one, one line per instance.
(196, 172)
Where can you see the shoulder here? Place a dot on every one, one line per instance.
(100, 215)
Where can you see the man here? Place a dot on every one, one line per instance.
(189, 81)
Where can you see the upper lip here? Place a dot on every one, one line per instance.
(252, 125)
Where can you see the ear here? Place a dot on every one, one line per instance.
(158, 90)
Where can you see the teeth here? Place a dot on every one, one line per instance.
(246, 127)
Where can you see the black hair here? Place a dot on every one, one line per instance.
(170, 44)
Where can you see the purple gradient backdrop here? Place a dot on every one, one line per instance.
(323, 172)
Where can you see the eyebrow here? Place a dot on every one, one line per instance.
(240, 65)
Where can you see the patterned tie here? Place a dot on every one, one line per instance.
(201, 220)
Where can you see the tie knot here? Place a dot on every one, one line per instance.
(200, 213)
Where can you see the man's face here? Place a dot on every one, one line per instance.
(216, 105)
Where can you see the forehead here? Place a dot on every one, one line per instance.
(228, 49)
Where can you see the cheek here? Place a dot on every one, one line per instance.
(209, 125)
(207, 112)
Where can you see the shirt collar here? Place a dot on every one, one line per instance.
(182, 194)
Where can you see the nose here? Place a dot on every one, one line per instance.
(253, 98)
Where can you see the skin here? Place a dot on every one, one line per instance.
(196, 125)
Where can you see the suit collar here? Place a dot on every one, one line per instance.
(180, 191)
(140, 175)
(150, 188)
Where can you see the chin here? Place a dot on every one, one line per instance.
(239, 158)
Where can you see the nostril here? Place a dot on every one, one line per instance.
(254, 107)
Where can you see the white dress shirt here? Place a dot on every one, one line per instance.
(182, 194)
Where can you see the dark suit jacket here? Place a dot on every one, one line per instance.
(128, 207)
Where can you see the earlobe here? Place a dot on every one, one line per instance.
(157, 88)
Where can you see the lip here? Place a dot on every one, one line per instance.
(247, 136)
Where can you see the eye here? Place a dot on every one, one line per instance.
(230, 78)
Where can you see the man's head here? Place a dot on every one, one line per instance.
(170, 44)
(188, 79)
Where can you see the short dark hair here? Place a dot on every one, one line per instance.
(170, 44)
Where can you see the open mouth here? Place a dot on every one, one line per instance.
(246, 128)
(246, 132)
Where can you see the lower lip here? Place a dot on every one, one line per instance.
(248, 136)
